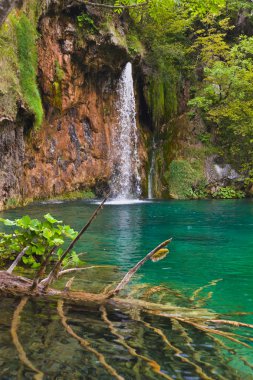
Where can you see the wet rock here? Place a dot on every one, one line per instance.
(217, 171)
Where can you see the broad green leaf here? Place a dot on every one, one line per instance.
(51, 219)
(8, 222)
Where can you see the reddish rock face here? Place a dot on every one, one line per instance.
(78, 76)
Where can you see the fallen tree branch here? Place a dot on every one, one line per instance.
(177, 351)
(17, 260)
(67, 271)
(132, 271)
(232, 323)
(54, 273)
(132, 351)
(42, 269)
(14, 333)
(86, 344)
(208, 330)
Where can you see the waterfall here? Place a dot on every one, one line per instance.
(125, 183)
(151, 173)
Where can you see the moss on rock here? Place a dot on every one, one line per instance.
(18, 63)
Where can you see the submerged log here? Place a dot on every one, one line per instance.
(12, 285)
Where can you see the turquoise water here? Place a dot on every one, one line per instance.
(212, 240)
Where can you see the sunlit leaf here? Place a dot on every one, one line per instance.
(51, 219)
(160, 255)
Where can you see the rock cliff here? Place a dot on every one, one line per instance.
(78, 71)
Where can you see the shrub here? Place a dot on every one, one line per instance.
(39, 236)
(228, 193)
(85, 21)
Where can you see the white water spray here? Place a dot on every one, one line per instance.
(125, 182)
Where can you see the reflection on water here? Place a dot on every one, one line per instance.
(212, 240)
(103, 343)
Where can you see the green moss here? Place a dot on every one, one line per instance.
(57, 95)
(78, 194)
(12, 203)
(26, 34)
(59, 72)
(56, 99)
(185, 179)
(134, 44)
(9, 83)
(161, 98)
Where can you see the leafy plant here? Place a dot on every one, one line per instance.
(39, 236)
(85, 21)
(228, 193)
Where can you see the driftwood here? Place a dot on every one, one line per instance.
(18, 285)
(56, 269)
(17, 260)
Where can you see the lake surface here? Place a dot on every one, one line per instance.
(212, 240)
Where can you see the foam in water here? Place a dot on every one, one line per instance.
(125, 182)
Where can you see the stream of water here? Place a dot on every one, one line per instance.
(125, 182)
(212, 240)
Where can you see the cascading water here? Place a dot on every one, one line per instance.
(125, 182)
(151, 173)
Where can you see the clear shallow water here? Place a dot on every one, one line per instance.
(211, 240)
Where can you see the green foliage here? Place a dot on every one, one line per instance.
(205, 138)
(133, 43)
(39, 236)
(228, 193)
(84, 21)
(182, 178)
(226, 102)
(26, 34)
(9, 83)
(210, 43)
(199, 191)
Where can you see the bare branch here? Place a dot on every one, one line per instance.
(42, 269)
(54, 273)
(86, 344)
(132, 271)
(69, 284)
(14, 333)
(232, 323)
(132, 351)
(177, 351)
(18, 258)
(67, 271)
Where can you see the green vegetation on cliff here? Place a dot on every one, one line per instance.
(18, 36)
(201, 53)
(27, 63)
